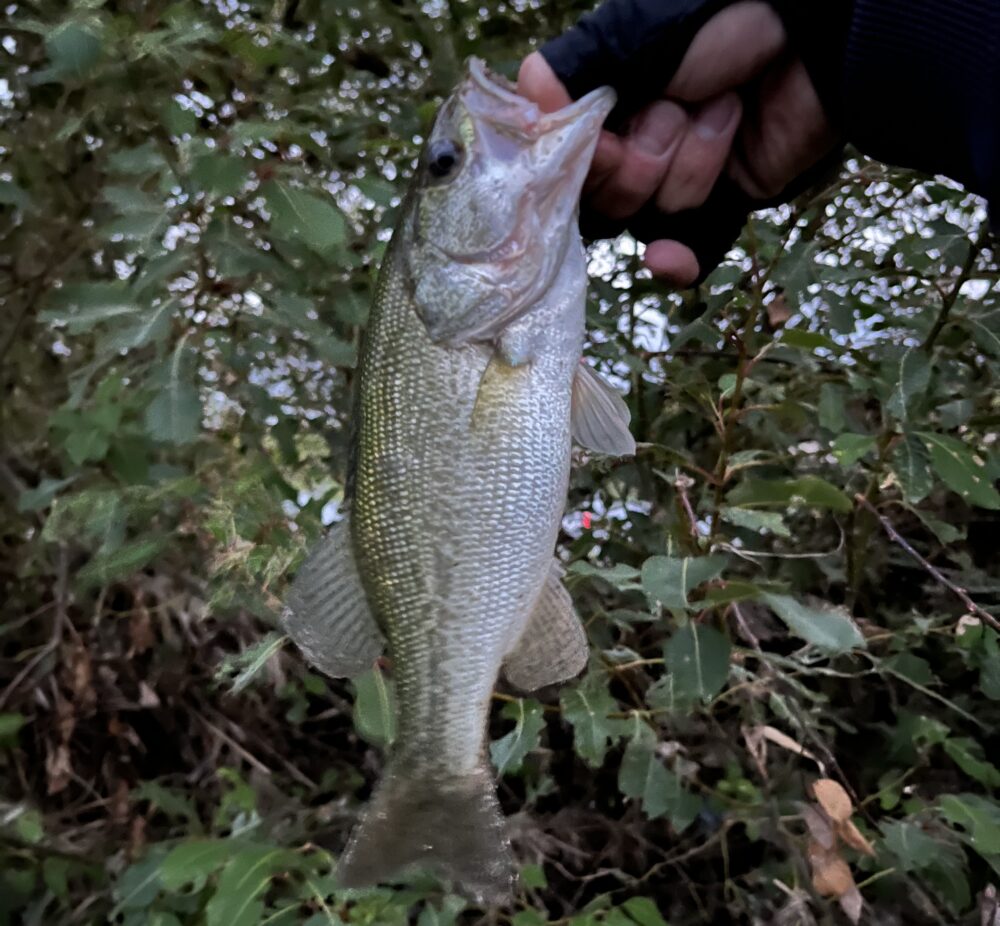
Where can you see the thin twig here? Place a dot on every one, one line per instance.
(951, 297)
(970, 605)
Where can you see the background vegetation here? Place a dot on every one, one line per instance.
(795, 581)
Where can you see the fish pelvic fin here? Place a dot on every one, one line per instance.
(553, 647)
(449, 826)
(327, 613)
(600, 416)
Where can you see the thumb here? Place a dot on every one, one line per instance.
(538, 82)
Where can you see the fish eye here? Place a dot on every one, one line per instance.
(444, 156)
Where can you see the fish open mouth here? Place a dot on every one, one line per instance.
(521, 114)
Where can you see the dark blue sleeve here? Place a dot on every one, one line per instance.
(921, 88)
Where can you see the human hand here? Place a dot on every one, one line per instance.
(722, 117)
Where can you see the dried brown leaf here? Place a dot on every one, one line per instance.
(757, 748)
(778, 312)
(833, 799)
(851, 903)
(140, 631)
(820, 826)
(989, 907)
(831, 874)
(853, 837)
(58, 768)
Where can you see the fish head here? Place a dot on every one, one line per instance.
(493, 206)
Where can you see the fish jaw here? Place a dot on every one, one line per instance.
(485, 246)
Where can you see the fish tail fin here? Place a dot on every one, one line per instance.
(450, 826)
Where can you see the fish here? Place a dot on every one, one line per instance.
(470, 390)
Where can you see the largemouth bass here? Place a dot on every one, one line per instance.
(470, 387)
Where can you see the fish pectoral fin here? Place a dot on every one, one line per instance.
(326, 610)
(600, 417)
(553, 647)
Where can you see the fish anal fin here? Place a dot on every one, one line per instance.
(553, 647)
(600, 417)
(326, 610)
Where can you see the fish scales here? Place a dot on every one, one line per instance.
(470, 389)
(456, 509)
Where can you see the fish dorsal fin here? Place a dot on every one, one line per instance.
(553, 647)
(600, 416)
(327, 613)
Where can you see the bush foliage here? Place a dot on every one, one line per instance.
(791, 592)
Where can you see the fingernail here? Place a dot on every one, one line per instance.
(657, 130)
(715, 118)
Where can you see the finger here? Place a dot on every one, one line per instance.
(624, 43)
(607, 157)
(701, 155)
(786, 134)
(537, 82)
(673, 262)
(646, 154)
(708, 230)
(732, 48)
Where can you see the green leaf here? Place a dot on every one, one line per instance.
(643, 777)
(140, 161)
(139, 226)
(82, 445)
(508, 752)
(299, 215)
(73, 47)
(139, 884)
(220, 174)
(909, 376)
(985, 331)
(757, 521)
(129, 200)
(27, 823)
(911, 667)
(443, 913)
(912, 847)
(153, 325)
(968, 756)
(245, 877)
(809, 491)
(13, 195)
(375, 708)
(82, 306)
(533, 876)
(643, 910)
(10, 726)
(826, 627)
(121, 563)
(174, 415)
(253, 659)
(832, 401)
(618, 576)
(961, 470)
(41, 496)
(910, 464)
(849, 448)
(669, 579)
(697, 659)
(194, 861)
(978, 817)
(586, 707)
(805, 340)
